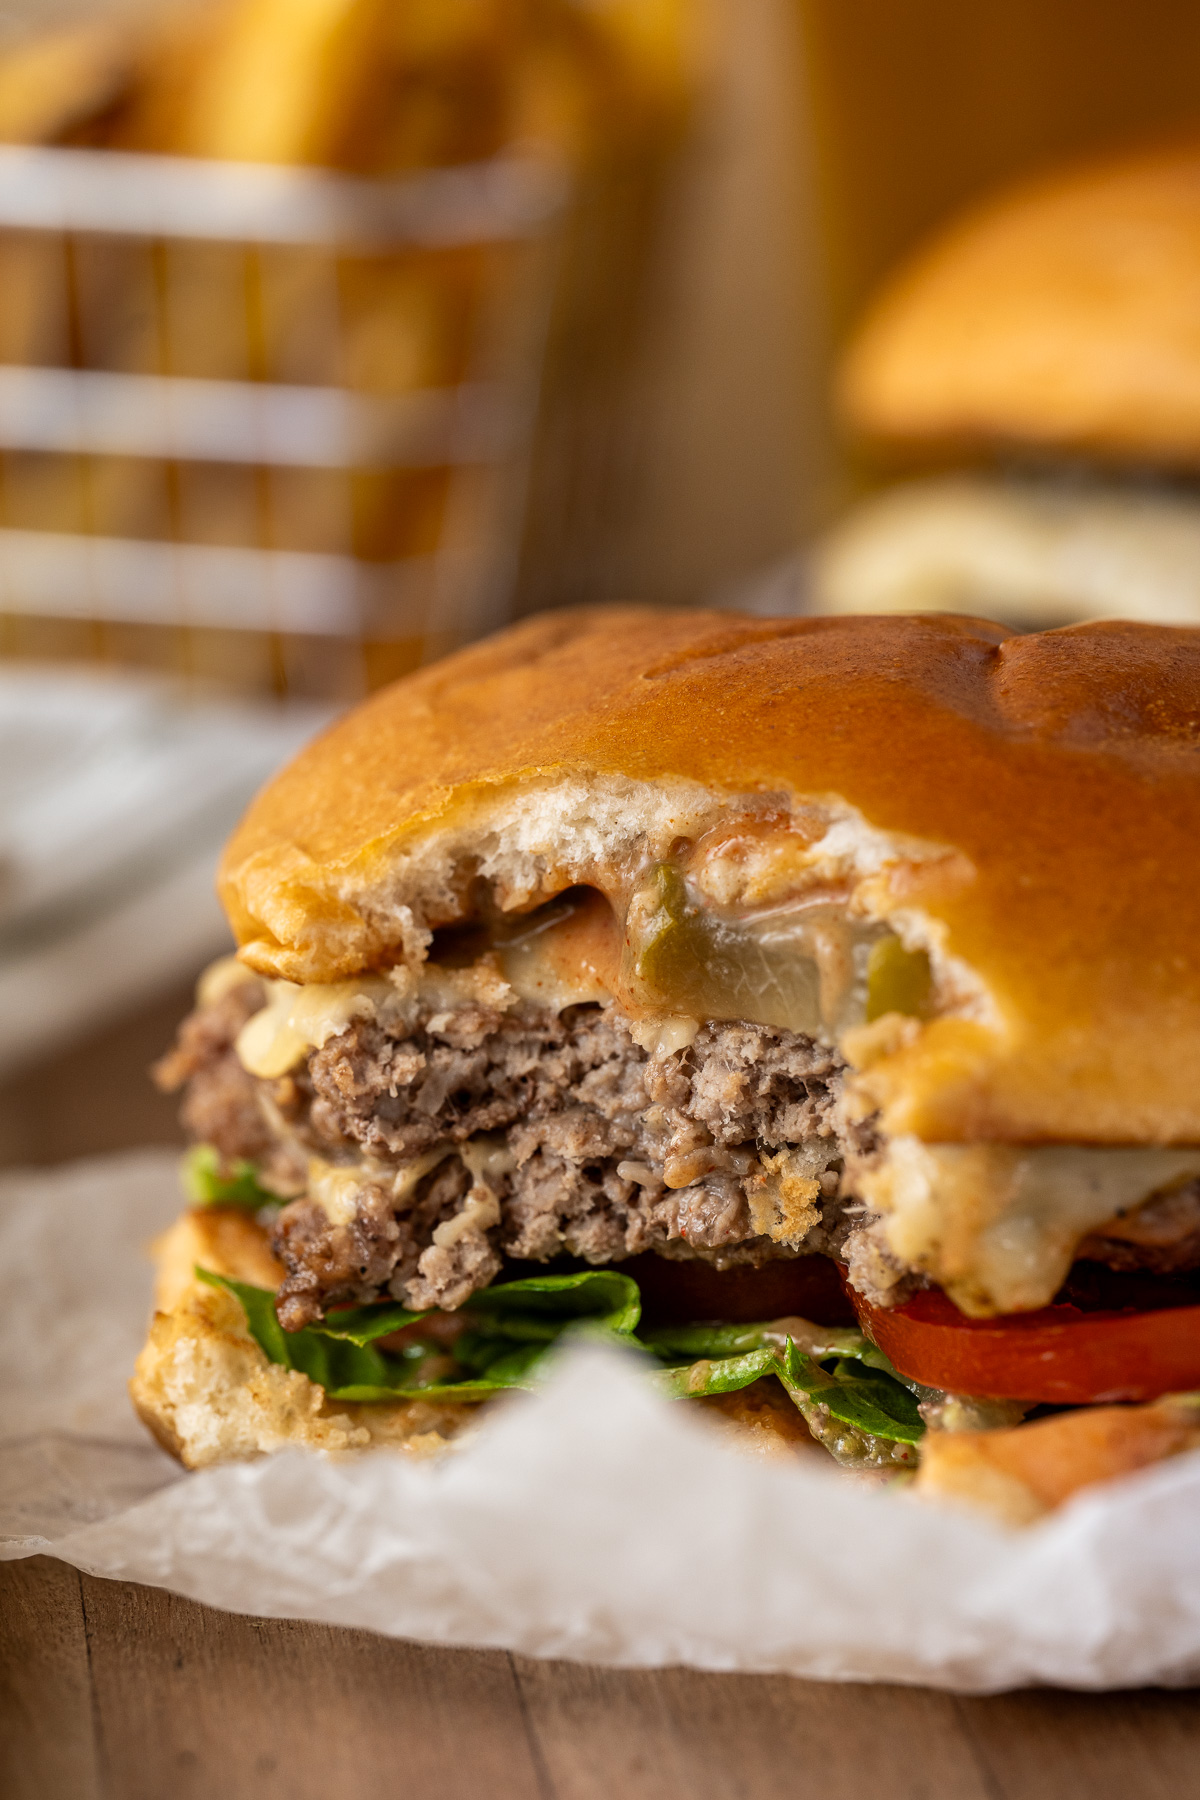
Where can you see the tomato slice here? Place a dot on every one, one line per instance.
(1060, 1353)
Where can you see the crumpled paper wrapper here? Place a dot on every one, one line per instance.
(591, 1520)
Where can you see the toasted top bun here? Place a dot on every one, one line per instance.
(1059, 316)
(1027, 808)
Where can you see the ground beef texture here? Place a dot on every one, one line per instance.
(728, 1149)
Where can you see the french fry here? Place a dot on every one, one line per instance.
(35, 323)
(206, 298)
(282, 81)
(297, 324)
(54, 86)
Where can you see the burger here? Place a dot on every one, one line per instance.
(810, 1006)
(1032, 376)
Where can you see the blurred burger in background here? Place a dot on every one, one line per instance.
(1029, 385)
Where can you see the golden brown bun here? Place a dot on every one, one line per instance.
(1060, 315)
(1039, 800)
(1030, 552)
(1019, 1473)
(207, 1392)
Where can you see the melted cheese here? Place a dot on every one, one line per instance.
(335, 1189)
(336, 1186)
(556, 963)
(487, 1158)
(661, 1038)
(296, 1020)
(220, 978)
(997, 1225)
(479, 1212)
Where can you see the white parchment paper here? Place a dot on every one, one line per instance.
(591, 1520)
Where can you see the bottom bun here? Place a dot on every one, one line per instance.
(1020, 1473)
(209, 1394)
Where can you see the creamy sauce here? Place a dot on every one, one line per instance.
(566, 955)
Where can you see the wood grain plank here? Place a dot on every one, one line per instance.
(1049, 1745)
(47, 1743)
(192, 1703)
(646, 1734)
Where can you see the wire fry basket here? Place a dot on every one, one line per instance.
(262, 425)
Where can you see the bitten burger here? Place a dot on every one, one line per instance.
(812, 1006)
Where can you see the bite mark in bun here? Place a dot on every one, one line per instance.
(736, 941)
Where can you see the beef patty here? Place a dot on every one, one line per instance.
(481, 1135)
(730, 1149)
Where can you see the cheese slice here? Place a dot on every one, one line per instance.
(336, 1187)
(997, 1225)
(297, 1019)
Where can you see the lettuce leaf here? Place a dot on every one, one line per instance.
(346, 1368)
(350, 1370)
(515, 1370)
(205, 1185)
(673, 1342)
(541, 1306)
(854, 1393)
(850, 1397)
(363, 1324)
(873, 1402)
(721, 1375)
(516, 1328)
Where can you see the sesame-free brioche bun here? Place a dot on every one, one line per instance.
(207, 1391)
(1026, 808)
(1059, 316)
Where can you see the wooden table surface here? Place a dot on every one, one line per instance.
(115, 1692)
